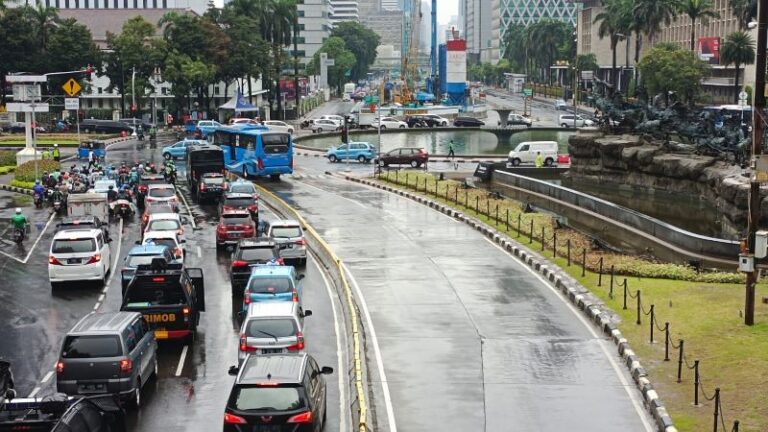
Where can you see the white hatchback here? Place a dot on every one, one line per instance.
(79, 255)
(279, 126)
(166, 238)
(389, 123)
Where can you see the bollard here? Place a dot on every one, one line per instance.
(600, 273)
(425, 186)
(735, 426)
(497, 215)
(506, 218)
(639, 308)
(717, 407)
(610, 280)
(554, 244)
(466, 200)
(653, 315)
(696, 383)
(407, 180)
(568, 251)
(666, 341)
(626, 289)
(456, 192)
(530, 238)
(519, 227)
(543, 240)
(680, 362)
(488, 207)
(583, 262)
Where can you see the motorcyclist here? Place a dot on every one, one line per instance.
(152, 132)
(140, 169)
(44, 178)
(140, 132)
(170, 172)
(134, 177)
(123, 194)
(111, 194)
(38, 189)
(19, 222)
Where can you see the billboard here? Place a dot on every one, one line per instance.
(708, 49)
(287, 88)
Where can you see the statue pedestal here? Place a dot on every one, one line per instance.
(26, 155)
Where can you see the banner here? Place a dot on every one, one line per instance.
(708, 49)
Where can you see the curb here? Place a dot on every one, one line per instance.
(16, 189)
(590, 305)
(457, 160)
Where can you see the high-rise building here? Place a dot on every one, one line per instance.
(478, 27)
(391, 5)
(314, 27)
(199, 6)
(344, 10)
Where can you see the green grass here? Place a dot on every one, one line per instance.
(6, 169)
(22, 184)
(706, 315)
(39, 142)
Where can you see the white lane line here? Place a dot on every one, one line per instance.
(339, 351)
(183, 358)
(633, 395)
(35, 391)
(34, 245)
(189, 210)
(101, 298)
(96, 306)
(47, 377)
(199, 252)
(12, 257)
(116, 259)
(371, 332)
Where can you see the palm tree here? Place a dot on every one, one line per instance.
(744, 10)
(45, 17)
(279, 20)
(700, 10)
(739, 49)
(615, 23)
(652, 13)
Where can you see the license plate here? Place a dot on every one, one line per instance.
(161, 334)
(267, 428)
(234, 234)
(272, 351)
(74, 261)
(289, 246)
(91, 387)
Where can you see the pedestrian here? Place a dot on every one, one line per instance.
(539, 160)
(91, 158)
(451, 154)
(46, 154)
(56, 154)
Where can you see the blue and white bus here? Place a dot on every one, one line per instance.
(255, 151)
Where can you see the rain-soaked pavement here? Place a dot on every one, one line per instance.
(193, 383)
(469, 338)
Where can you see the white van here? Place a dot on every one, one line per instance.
(525, 153)
(78, 255)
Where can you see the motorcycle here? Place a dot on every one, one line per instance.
(170, 178)
(38, 201)
(121, 208)
(18, 235)
(305, 124)
(58, 207)
(7, 390)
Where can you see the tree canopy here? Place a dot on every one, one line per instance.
(669, 68)
(344, 60)
(362, 42)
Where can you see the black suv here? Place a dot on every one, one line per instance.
(468, 122)
(261, 250)
(277, 392)
(211, 187)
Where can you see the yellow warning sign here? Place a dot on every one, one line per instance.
(71, 87)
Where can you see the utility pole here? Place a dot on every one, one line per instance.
(753, 218)
(297, 93)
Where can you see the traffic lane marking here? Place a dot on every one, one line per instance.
(34, 245)
(182, 359)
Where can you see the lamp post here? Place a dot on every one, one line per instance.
(133, 91)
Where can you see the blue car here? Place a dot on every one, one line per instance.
(207, 127)
(143, 255)
(179, 150)
(360, 151)
(272, 283)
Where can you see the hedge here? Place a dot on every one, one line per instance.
(6, 169)
(22, 184)
(7, 157)
(26, 171)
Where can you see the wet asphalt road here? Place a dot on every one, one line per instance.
(469, 339)
(193, 383)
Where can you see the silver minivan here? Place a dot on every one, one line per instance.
(113, 352)
(573, 120)
(272, 328)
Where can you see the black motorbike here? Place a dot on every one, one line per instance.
(19, 234)
(7, 390)
(38, 201)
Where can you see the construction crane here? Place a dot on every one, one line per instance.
(409, 64)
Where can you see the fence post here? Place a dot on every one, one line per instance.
(466, 200)
(530, 237)
(456, 191)
(583, 262)
(477, 205)
(407, 180)
(735, 426)
(696, 383)
(666, 341)
(639, 308)
(554, 244)
(568, 251)
(653, 315)
(680, 362)
(626, 290)
(600, 273)
(507, 219)
(497, 215)
(543, 240)
(519, 226)
(488, 207)
(717, 407)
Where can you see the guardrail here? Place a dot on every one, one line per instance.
(357, 378)
(694, 244)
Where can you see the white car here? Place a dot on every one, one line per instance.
(574, 120)
(279, 126)
(162, 193)
(79, 255)
(335, 117)
(325, 125)
(440, 121)
(102, 186)
(518, 120)
(165, 222)
(166, 238)
(389, 123)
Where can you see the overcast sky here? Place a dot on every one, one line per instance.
(446, 8)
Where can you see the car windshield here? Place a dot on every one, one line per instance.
(257, 254)
(269, 327)
(270, 285)
(161, 192)
(137, 260)
(164, 225)
(78, 347)
(286, 232)
(171, 243)
(235, 219)
(253, 398)
(241, 187)
(238, 202)
(155, 293)
(73, 245)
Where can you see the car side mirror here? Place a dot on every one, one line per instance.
(137, 242)
(234, 370)
(183, 241)
(300, 277)
(326, 370)
(307, 313)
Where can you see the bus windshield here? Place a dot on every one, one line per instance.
(275, 143)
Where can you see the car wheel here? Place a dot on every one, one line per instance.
(136, 398)
(564, 125)
(414, 164)
(515, 162)
(382, 127)
(361, 159)
(402, 127)
(167, 156)
(548, 162)
(333, 158)
(319, 130)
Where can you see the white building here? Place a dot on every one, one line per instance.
(314, 27)
(391, 5)
(199, 6)
(478, 23)
(344, 10)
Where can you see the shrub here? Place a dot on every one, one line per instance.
(6, 169)
(22, 184)
(26, 171)
(7, 157)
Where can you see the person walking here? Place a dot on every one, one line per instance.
(451, 154)
(539, 160)
(56, 153)
(91, 158)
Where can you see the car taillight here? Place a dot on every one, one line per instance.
(253, 208)
(281, 261)
(233, 419)
(226, 207)
(260, 163)
(126, 366)
(244, 345)
(247, 299)
(305, 417)
(239, 263)
(300, 242)
(185, 310)
(295, 297)
(221, 228)
(94, 259)
(53, 261)
(299, 345)
(202, 187)
(60, 367)
(142, 189)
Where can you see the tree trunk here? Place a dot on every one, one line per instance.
(250, 89)
(693, 34)
(614, 42)
(736, 85)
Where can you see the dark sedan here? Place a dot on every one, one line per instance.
(412, 156)
(468, 122)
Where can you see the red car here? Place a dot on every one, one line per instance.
(235, 224)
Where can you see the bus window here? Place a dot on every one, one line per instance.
(275, 143)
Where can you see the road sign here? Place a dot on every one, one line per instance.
(527, 92)
(72, 103)
(72, 87)
(743, 95)
(27, 107)
(330, 62)
(26, 92)
(587, 75)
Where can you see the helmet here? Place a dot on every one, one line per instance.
(45, 172)
(141, 166)
(37, 181)
(133, 169)
(55, 145)
(18, 210)
(111, 187)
